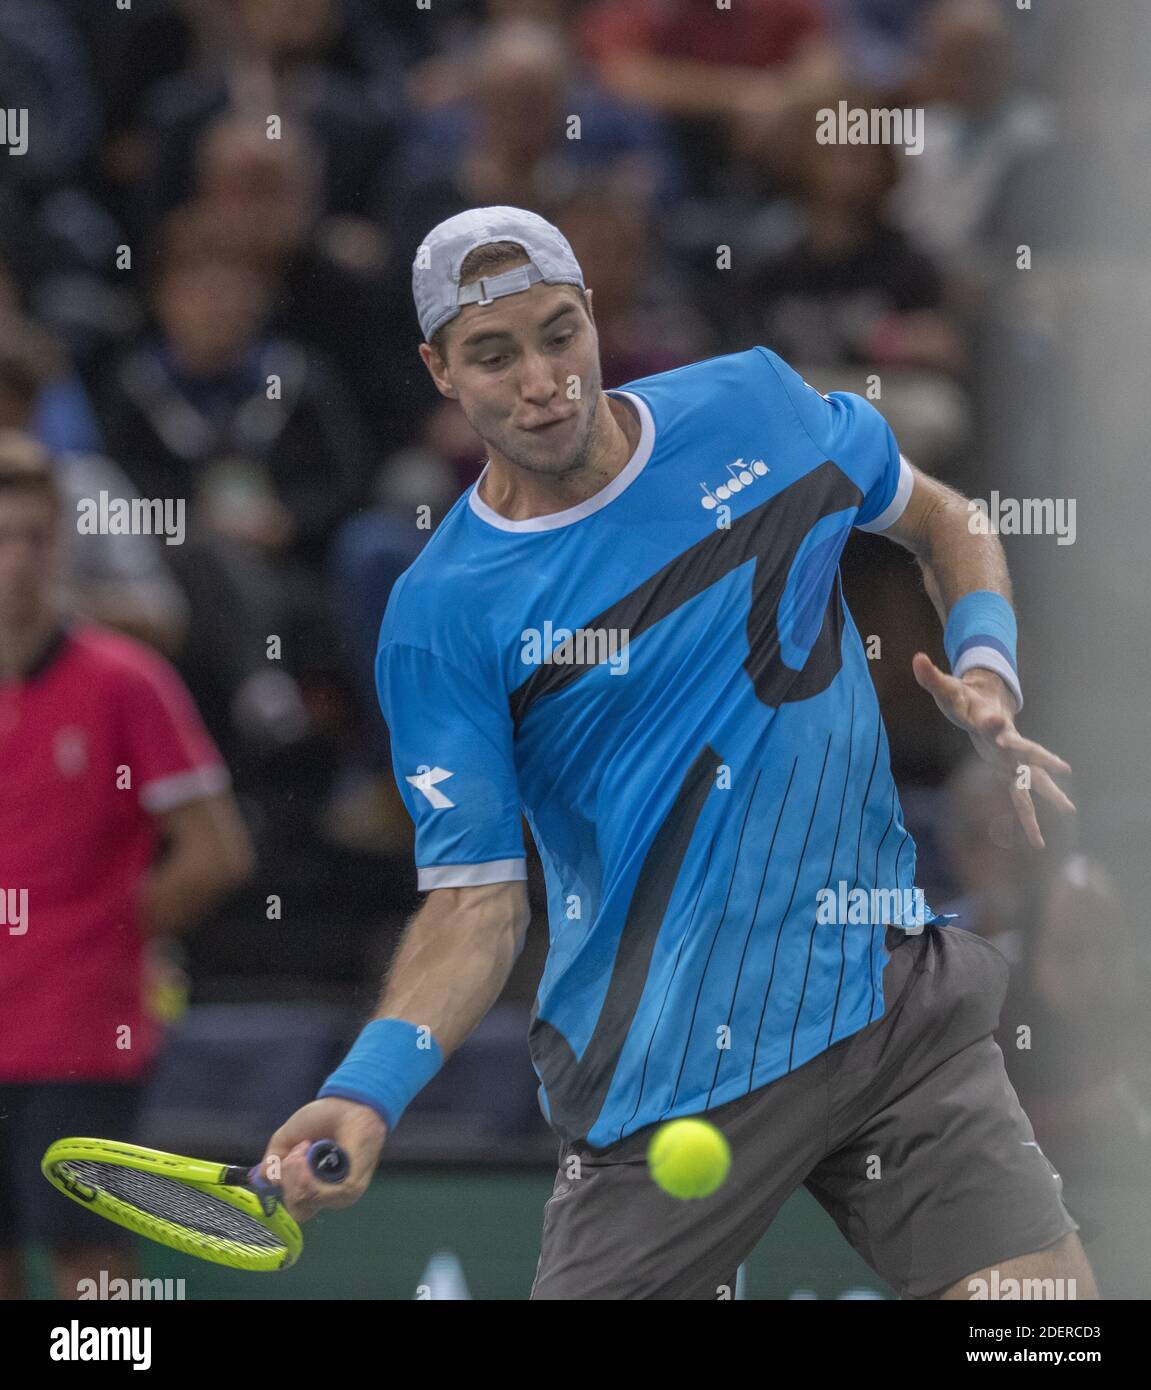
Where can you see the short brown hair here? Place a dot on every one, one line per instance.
(490, 259)
(27, 467)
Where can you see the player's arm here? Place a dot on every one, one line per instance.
(208, 852)
(966, 577)
(452, 750)
(935, 527)
(455, 958)
(451, 966)
(964, 569)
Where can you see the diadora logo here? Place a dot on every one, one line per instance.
(425, 781)
(741, 475)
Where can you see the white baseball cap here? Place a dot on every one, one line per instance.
(436, 269)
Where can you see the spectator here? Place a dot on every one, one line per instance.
(643, 313)
(507, 139)
(877, 38)
(55, 255)
(275, 60)
(103, 760)
(128, 52)
(212, 386)
(259, 201)
(65, 415)
(975, 184)
(43, 69)
(706, 67)
(1070, 1028)
(444, 76)
(851, 296)
(1067, 1021)
(997, 872)
(260, 440)
(121, 581)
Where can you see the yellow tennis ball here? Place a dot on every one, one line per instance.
(688, 1158)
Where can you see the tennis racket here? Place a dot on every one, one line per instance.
(216, 1211)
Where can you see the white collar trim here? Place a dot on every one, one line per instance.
(622, 480)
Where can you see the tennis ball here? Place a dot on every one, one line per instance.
(688, 1158)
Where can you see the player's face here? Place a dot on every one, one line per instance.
(28, 555)
(526, 372)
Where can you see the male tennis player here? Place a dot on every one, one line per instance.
(631, 629)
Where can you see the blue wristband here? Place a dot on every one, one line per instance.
(981, 631)
(390, 1062)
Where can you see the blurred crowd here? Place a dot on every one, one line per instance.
(205, 259)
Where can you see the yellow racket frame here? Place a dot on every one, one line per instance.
(195, 1172)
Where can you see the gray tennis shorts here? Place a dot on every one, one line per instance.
(908, 1133)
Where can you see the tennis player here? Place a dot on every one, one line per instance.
(631, 630)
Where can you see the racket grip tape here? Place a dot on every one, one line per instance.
(328, 1162)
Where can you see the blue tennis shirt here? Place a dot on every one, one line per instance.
(666, 683)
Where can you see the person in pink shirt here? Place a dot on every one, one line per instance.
(117, 827)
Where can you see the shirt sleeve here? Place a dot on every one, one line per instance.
(849, 430)
(171, 755)
(452, 752)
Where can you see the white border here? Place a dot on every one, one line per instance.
(470, 875)
(896, 507)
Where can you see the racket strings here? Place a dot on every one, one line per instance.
(209, 1217)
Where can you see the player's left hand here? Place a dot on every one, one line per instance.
(981, 703)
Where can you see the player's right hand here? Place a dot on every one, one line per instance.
(358, 1130)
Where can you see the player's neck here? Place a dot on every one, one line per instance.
(519, 495)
